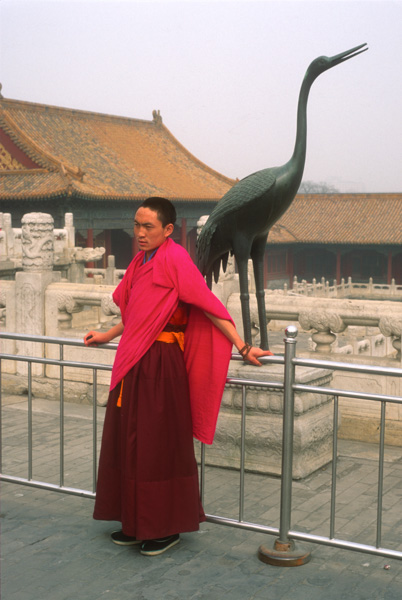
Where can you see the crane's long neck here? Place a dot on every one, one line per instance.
(298, 158)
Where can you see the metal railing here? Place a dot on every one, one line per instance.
(62, 363)
(284, 551)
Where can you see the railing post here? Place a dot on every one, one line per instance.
(1, 422)
(285, 553)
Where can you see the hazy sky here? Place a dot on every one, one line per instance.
(225, 75)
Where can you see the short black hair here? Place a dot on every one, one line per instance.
(163, 207)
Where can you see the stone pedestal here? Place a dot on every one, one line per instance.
(30, 314)
(313, 425)
(30, 284)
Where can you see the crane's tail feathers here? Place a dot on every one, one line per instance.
(209, 279)
(217, 268)
(224, 260)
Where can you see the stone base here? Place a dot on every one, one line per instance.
(313, 425)
(49, 389)
(367, 430)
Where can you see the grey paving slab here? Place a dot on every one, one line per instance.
(52, 549)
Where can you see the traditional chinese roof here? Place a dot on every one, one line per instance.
(341, 219)
(48, 152)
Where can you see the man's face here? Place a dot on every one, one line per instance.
(149, 230)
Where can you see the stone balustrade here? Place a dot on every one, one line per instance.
(327, 317)
(71, 311)
(347, 289)
(108, 276)
(39, 302)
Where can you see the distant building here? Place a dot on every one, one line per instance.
(100, 167)
(337, 236)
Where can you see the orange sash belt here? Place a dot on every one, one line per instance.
(169, 337)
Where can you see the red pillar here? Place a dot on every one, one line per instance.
(338, 267)
(108, 246)
(135, 246)
(183, 235)
(192, 238)
(90, 238)
(90, 244)
(389, 269)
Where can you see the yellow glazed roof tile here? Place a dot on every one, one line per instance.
(110, 157)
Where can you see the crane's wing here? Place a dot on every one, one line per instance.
(243, 194)
(239, 197)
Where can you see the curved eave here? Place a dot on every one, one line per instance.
(322, 242)
(137, 198)
(71, 193)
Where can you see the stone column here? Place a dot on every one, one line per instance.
(30, 284)
(9, 235)
(6, 241)
(69, 226)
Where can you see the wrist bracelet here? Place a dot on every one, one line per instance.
(246, 348)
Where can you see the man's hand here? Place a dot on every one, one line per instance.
(255, 353)
(94, 338)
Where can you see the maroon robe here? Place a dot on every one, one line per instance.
(148, 475)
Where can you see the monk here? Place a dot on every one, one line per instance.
(166, 387)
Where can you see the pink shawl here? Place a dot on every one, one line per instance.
(148, 296)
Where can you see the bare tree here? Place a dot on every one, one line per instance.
(316, 187)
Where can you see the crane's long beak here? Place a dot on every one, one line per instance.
(339, 58)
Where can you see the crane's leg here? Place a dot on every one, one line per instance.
(244, 297)
(257, 255)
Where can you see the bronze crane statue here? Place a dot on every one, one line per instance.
(240, 222)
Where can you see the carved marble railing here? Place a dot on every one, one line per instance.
(326, 318)
(42, 304)
(71, 311)
(348, 289)
(12, 239)
(108, 276)
(38, 236)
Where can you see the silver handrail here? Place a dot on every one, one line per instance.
(286, 536)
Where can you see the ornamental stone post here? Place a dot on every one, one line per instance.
(392, 327)
(325, 322)
(30, 284)
(7, 228)
(79, 257)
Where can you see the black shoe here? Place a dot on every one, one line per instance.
(155, 547)
(118, 537)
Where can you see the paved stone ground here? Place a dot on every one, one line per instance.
(51, 549)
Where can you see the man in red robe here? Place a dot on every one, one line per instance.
(167, 383)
